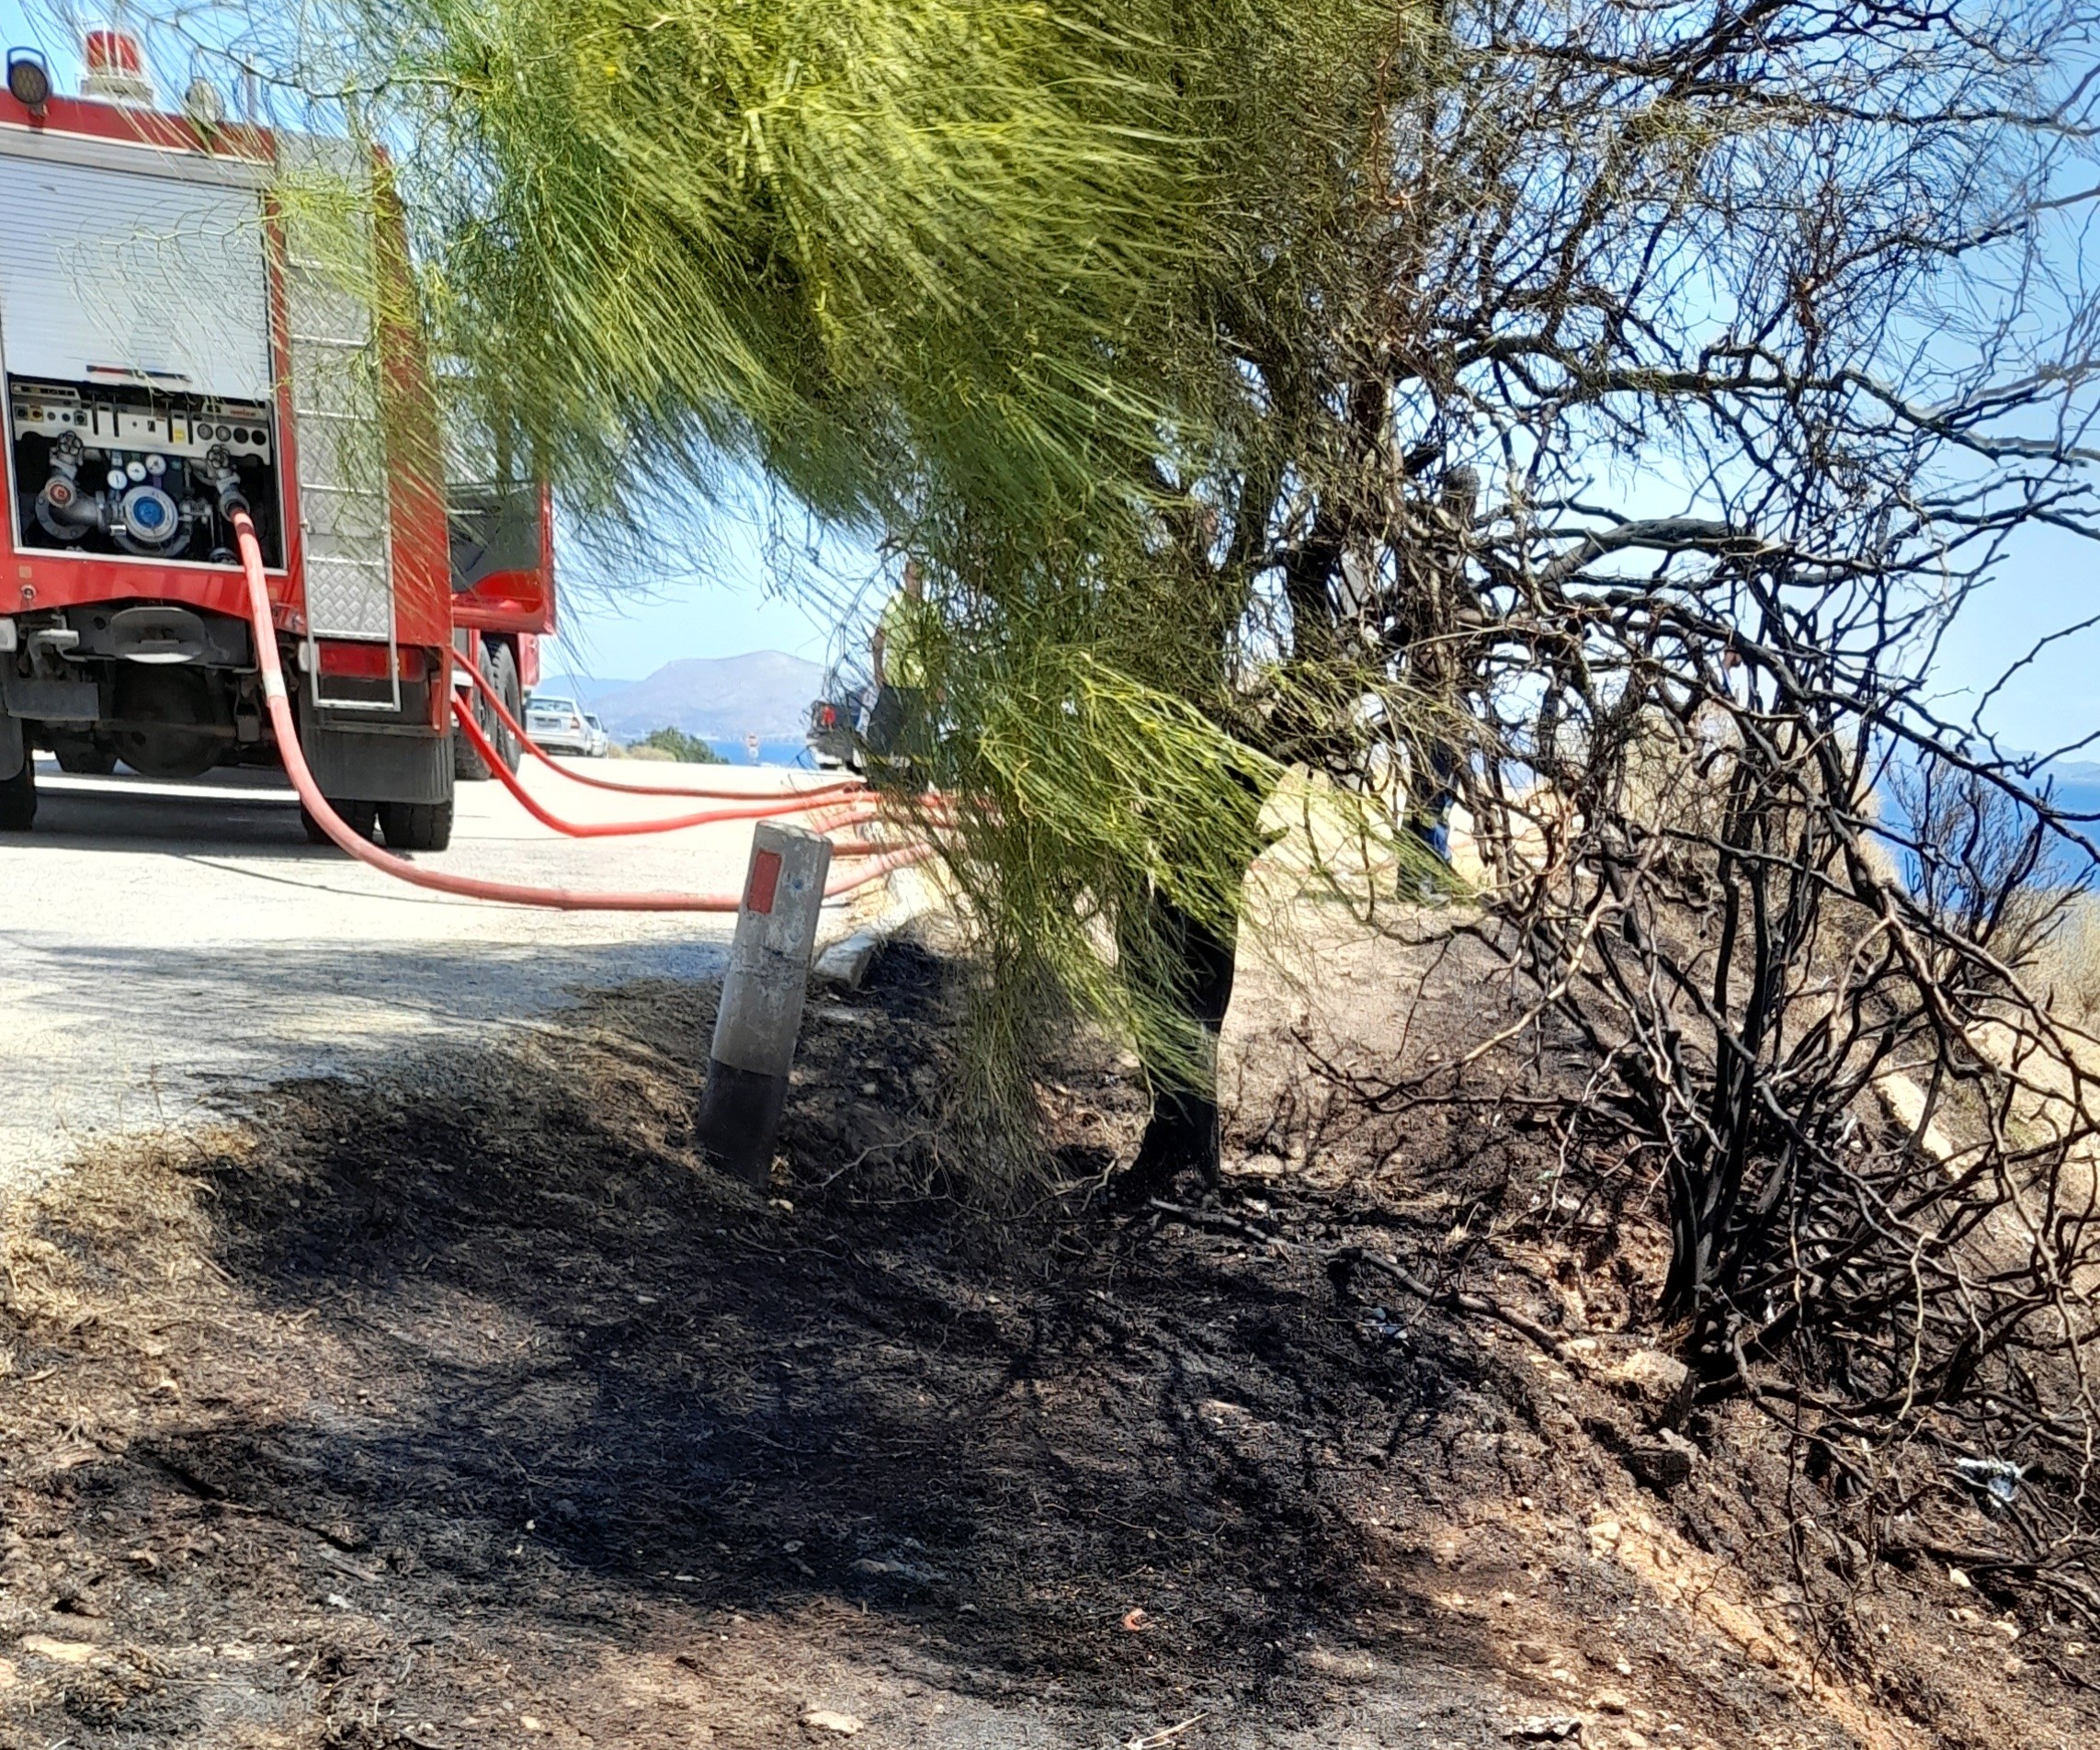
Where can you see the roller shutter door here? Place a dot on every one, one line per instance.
(135, 273)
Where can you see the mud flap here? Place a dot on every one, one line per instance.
(48, 699)
(14, 747)
(393, 763)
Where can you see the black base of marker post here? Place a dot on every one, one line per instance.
(761, 1012)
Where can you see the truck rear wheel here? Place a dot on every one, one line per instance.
(513, 696)
(18, 798)
(416, 826)
(359, 817)
(467, 765)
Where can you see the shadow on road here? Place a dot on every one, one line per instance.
(253, 812)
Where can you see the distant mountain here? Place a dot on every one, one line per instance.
(2075, 787)
(764, 693)
(586, 688)
(2074, 777)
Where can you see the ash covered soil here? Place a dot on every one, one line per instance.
(466, 1407)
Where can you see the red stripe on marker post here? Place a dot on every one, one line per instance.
(765, 882)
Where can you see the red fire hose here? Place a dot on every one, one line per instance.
(764, 808)
(839, 789)
(467, 887)
(826, 815)
(836, 787)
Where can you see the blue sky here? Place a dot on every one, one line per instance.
(620, 626)
(2050, 579)
(627, 640)
(623, 627)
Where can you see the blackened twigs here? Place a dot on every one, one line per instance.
(1449, 1299)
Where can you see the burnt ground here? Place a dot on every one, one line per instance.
(468, 1407)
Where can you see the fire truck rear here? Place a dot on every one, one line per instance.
(171, 356)
(502, 530)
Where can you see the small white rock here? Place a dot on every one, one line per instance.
(64, 1652)
(847, 963)
(1650, 1375)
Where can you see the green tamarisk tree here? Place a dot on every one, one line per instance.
(953, 274)
(1261, 386)
(1595, 411)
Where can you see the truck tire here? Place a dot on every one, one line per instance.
(512, 693)
(83, 755)
(467, 765)
(359, 817)
(416, 826)
(18, 800)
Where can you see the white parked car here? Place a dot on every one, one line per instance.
(558, 725)
(601, 742)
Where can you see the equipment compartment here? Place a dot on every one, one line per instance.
(131, 469)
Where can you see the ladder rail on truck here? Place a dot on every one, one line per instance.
(168, 353)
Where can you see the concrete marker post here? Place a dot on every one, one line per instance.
(762, 993)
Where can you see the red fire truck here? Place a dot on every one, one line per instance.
(170, 354)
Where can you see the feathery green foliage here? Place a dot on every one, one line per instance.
(679, 746)
(951, 271)
(885, 250)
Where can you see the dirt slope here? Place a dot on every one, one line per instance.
(464, 1408)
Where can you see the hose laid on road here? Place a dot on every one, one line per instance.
(465, 886)
(836, 788)
(827, 814)
(481, 681)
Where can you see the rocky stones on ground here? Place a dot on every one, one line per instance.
(1663, 1462)
(846, 961)
(1659, 1383)
(60, 1651)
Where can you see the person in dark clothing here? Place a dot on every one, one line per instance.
(1437, 612)
(1183, 1133)
(1430, 794)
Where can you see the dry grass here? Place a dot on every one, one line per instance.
(2069, 964)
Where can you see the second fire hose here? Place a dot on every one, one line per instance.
(279, 701)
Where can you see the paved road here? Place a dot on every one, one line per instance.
(162, 945)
